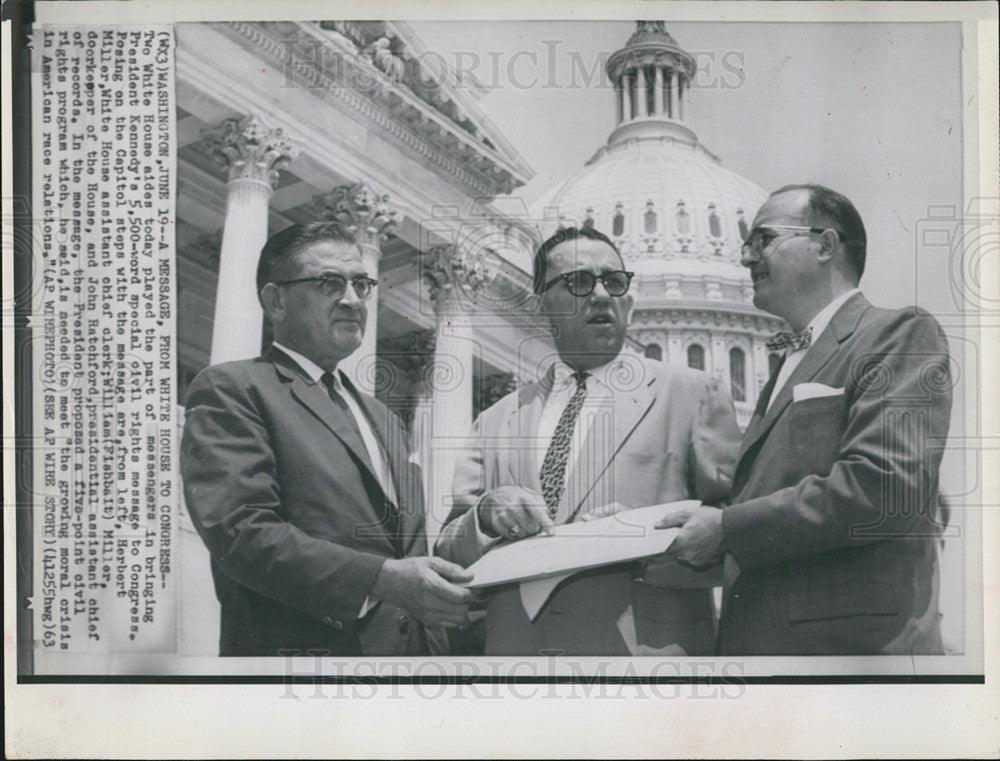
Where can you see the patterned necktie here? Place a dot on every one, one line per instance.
(553, 472)
(793, 341)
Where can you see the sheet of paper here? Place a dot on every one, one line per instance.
(534, 592)
(624, 536)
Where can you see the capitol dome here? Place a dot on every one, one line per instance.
(677, 216)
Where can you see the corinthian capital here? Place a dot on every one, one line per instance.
(447, 272)
(361, 210)
(251, 150)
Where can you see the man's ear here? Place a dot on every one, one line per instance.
(629, 303)
(829, 246)
(272, 299)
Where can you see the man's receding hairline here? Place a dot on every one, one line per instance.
(806, 206)
(295, 255)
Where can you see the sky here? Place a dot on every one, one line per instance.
(872, 110)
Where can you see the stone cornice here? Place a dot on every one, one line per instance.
(388, 105)
(705, 316)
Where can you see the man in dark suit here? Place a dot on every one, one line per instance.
(830, 537)
(301, 487)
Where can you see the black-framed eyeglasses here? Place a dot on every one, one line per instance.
(761, 236)
(335, 286)
(583, 282)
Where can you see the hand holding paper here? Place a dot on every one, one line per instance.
(700, 542)
(541, 562)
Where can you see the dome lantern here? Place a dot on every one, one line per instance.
(651, 76)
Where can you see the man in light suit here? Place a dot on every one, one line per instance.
(830, 537)
(600, 427)
(301, 487)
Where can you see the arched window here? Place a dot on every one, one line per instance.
(714, 225)
(683, 220)
(742, 224)
(696, 357)
(654, 351)
(618, 224)
(649, 219)
(737, 375)
(773, 360)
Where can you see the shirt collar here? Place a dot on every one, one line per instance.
(310, 368)
(823, 317)
(561, 372)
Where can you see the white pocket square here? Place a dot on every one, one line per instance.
(803, 391)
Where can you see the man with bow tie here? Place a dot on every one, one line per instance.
(829, 540)
(601, 429)
(300, 486)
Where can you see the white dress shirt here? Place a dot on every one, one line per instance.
(599, 397)
(375, 453)
(818, 325)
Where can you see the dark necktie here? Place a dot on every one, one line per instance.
(331, 388)
(389, 515)
(765, 393)
(553, 471)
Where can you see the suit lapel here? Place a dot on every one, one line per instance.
(314, 397)
(626, 412)
(758, 414)
(392, 438)
(817, 356)
(389, 433)
(519, 460)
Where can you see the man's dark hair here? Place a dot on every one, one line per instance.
(561, 236)
(827, 205)
(277, 258)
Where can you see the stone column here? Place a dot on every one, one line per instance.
(255, 155)
(675, 349)
(620, 100)
(759, 368)
(636, 92)
(449, 375)
(658, 91)
(641, 86)
(672, 95)
(367, 215)
(719, 362)
(681, 90)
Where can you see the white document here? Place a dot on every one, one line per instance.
(803, 391)
(541, 562)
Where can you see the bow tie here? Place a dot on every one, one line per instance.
(793, 341)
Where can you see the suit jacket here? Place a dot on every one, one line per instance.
(668, 434)
(279, 486)
(832, 525)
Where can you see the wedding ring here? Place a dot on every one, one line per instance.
(514, 531)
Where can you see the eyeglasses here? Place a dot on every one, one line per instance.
(583, 282)
(761, 237)
(335, 286)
